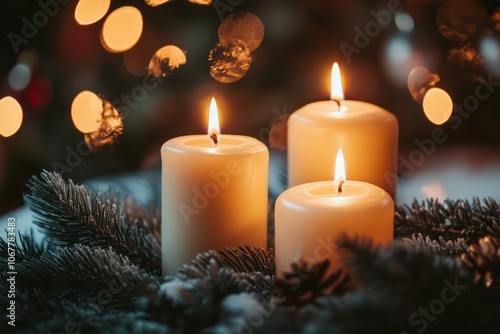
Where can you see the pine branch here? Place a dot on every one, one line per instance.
(305, 284)
(357, 252)
(72, 319)
(399, 266)
(29, 248)
(144, 217)
(24, 248)
(70, 214)
(450, 220)
(484, 261)
(188, 306)
(400, 283)
(226, 281)
(206, 306)
(244, 259)
(244, 269)
(31, 306)
(450, 248)
(87, 276)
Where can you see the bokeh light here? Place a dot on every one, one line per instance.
(399, 50)
(201, 2)
(404, 22)
(91, 11)
(86, 111)
(229, 62)
(458, 20)
(437, 105)
(122, 29)
(399, 58)
(244, 26)
(19, 77)
(154, 3)
(495, 18)
(434, 190)
(466, 56)
(491, 49)
(11, 116)
(420, 80)
(28, 58)
(109, 130)
(165, 60)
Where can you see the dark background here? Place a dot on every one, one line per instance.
(290, 69)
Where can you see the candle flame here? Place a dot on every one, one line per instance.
(336, 92)
(340, 170)
(213, 122)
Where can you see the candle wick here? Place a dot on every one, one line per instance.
(339, 190)
(213, 136)
(337, 101)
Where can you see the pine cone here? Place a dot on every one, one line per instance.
(483, 259)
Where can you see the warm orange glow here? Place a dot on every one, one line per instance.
(243, 26)
(122, 29)
(339, 167)
(336, 92)
(110, 128)
(91, 11)
(154, 3)
(165, 60)
(437, 105)
(11, 116)
(201, 2)
(213, 119)
(86, 111)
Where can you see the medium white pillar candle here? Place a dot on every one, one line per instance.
(367, 133)
(311, 217)
(213, 195)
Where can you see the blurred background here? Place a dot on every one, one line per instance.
(261, 60)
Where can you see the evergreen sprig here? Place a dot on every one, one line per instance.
(31, 305)
(483, 259)
(233, 270)
(104, 277)
(304, 284)
(450, 248)
(71, 214)
(450, 220)
(244, 259)
(25, 247)
(87, 276)
(397, 265)
(405, 290)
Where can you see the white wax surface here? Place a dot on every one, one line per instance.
(367, 134)
(311, 217)
(212, 197)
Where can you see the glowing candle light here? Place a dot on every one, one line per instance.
(367, 133)
(214, 194)
(311, 217)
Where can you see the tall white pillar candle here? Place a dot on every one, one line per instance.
(214, 195)
(367, 133)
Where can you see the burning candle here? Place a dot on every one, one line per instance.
(368, 134)
(214, 194)
(311, 217)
